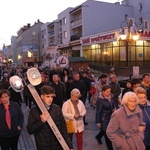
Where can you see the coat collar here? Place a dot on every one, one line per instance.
(129, 113)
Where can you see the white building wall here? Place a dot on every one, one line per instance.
(100, 16)
(65, 27)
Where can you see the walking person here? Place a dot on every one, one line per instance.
(11, 122)
(37, 123)
(125, 128)
(105, 106)
(80, 85)
(74, 109)
(145, 107)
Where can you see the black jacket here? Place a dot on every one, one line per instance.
(104, 110)
(60, 91)
(44, 137)
(17, 119)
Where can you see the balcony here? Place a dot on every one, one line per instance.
(51, 33)
(75, 37)
(76, 23)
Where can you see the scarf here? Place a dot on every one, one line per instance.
(76, 107)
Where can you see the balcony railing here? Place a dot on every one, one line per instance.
(76, 23)
(75, 37)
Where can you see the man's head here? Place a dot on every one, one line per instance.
(136, 82)
(103, 77)
(76, 76)
(56, 78)
(47, 94)
(5, 96)
(145, 77)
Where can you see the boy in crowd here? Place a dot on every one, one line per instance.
(37, 123)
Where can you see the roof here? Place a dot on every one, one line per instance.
(77, 59)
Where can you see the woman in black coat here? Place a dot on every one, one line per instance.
(105, 106)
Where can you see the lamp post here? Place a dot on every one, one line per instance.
(129, 32)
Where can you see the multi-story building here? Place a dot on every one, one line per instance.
(29, 45)
(92, 30)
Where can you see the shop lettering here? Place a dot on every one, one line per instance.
(98, 38)
(102, 38)
(146, 34)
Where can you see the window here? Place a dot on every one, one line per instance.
(65, 34)
(145, 24)
(130, 20)
(64, 21)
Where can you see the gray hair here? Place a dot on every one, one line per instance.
(127, 96)
(75, 92)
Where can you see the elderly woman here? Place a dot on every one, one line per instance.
(125, 127)
(74, 109)
(145, 106)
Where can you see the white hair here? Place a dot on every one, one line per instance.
(127, 96)
(76, 92)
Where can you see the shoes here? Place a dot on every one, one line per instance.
(99, 140)
(85, 123)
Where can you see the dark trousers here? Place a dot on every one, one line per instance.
(108, 142)
(8, 143)
(147, 148)
(100, 134)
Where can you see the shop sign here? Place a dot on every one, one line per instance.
(146, 34)
(98, 38)
(63, 61)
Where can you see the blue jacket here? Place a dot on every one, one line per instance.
(17, 119)
(146, 119)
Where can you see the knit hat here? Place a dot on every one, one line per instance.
(92, 83)
(112, 76)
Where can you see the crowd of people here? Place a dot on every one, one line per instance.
(124, 123)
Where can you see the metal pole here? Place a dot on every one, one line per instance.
(130, 76)
(39, 54)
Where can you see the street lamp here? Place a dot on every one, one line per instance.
(129, 32)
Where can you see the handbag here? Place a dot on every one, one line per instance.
(69, 124)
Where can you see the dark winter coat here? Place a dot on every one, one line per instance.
(80, 86)
(60, 91)
(104, 110)
(123, 129)
(17, 119)
(146, 119)
(44, 137)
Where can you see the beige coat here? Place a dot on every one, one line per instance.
(69, 112)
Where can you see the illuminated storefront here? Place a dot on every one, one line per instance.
(108, 50)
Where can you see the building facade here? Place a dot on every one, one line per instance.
(92, 30)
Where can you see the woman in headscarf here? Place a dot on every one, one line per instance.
(74, 109)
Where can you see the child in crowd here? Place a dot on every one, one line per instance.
(92, 93)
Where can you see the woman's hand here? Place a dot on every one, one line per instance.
(44, 117)
(19, 128)
(76, 116)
